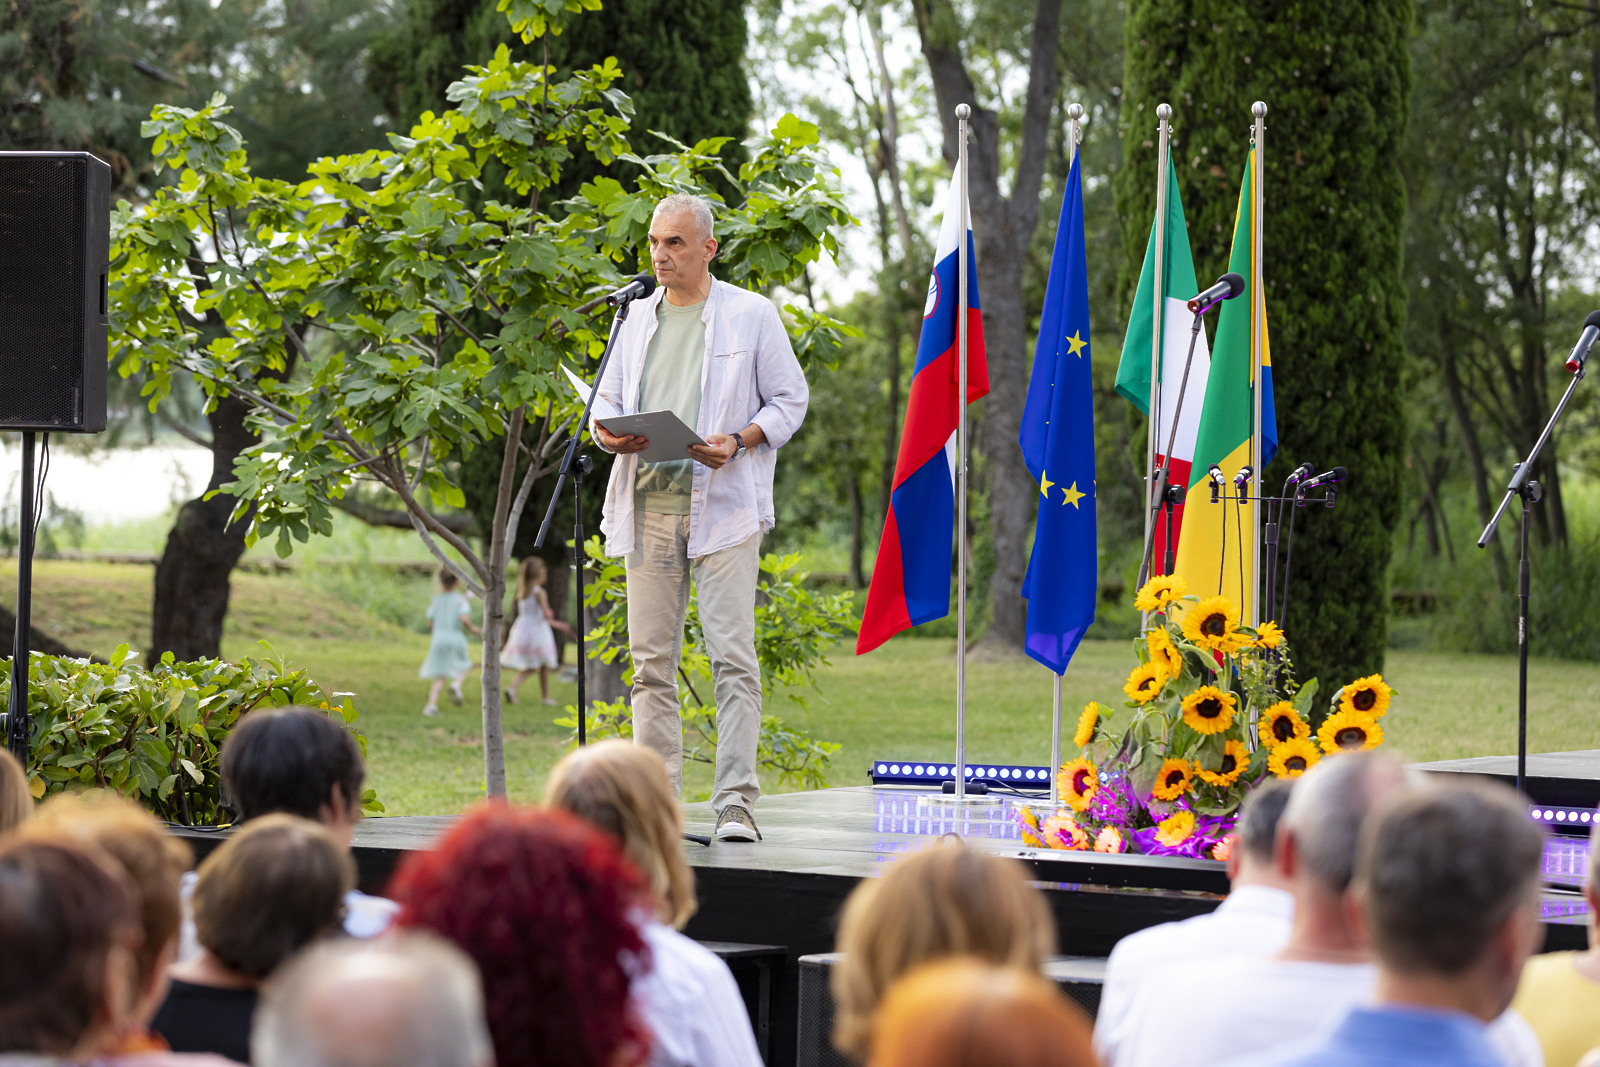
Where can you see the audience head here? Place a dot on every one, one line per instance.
(965, 1012)
(16, 802)
(409, 1000)
(447, 579)
(68, 931)
(152, 859)
(1449, 882)
(946, 900)
(622, 788)
(543, 903)
(1322, 822)
(1257, 831)
(272, 888)
(300, 761)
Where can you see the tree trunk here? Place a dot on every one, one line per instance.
(1475, 460)
(857, 521)
(494, 613)
(1002, 230)
(191, 584)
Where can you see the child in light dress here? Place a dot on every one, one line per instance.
(531, 645)
(448, 657)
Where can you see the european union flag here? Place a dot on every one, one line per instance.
(1058, 445)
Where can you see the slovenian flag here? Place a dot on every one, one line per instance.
(911, 577)
(1215, 553)
(1057, 439)
(1133, 371)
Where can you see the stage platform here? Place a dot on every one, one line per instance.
(786, 891)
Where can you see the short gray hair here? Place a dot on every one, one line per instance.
(694, 205)
(1443, 870)
(409, 1000)
(1258, 820)
(1329, 805)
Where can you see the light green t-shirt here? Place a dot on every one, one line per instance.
(671, 381)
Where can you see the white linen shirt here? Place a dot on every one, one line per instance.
(750, 375)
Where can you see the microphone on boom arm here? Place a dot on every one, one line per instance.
(1228, 286)
(639, 286)
(1218, 480)
(1241, 481)
(1327, 478)
(1580, 351)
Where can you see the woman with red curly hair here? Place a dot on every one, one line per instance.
(542, 902)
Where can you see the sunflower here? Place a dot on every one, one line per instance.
(1175, 829)
(1269, 635)
(1293, 758)
(1110, 840)
(1145, 682)
(1234, 758)
(1164, 652)
(1076, 784)
(1367, 696)
(1208, 710)
(1172, 781)
(1160, 591)
(1212, 624)
(1280, 723)
(1086, 724)
(1028, 822)
(1349, 731)
(1062, 831)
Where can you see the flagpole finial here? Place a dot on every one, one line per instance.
(1258, 109)
(1163, 112)
(1075, 112)
(963, 112)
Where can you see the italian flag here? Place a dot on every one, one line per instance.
(1217, 552)
(1133, 371)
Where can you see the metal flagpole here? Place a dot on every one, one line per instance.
(1075, 117)
(1158, 297)
(1258, 325)
(962, 266)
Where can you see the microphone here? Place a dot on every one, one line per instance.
(1241, 481)
(640, 285)
(1217, 481)
(1305, 470)
(1326, 478)
(1228, 286)
(1580, 351)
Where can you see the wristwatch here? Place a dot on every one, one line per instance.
(738, 451)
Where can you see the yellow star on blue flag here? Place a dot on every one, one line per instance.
(1058, 435)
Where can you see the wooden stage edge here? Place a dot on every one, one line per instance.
(787, 890)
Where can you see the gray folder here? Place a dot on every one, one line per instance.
(668, 436)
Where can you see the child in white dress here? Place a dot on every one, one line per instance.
(448, 657)
(531, 645)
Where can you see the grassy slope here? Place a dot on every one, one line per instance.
(896, 702)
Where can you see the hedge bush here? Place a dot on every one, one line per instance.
(154, 734)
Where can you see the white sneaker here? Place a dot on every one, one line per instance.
(431, 710)
(511, 697)
(734, 823)
(551, 701)
(455, 692)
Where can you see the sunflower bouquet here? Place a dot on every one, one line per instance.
(1212, 711)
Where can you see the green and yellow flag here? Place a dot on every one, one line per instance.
(1216, 553)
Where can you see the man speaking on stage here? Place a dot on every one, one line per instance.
(716, 356)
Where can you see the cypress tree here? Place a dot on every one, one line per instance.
(1336, 79)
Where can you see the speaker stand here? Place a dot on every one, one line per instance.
(19, 723)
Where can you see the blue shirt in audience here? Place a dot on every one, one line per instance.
(1391, 1035)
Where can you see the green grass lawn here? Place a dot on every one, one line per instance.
(896, 702)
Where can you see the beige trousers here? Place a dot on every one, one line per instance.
(659, 571)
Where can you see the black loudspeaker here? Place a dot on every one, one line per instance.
(1081, 978)
(55, 249)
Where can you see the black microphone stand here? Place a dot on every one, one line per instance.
(19, 724)
(577, 465)
(1531, 493)
(1166, 495)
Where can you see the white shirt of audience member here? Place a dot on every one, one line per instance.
(692, 1004)
(1222, 1010)
(364, 916)
(1253, 920)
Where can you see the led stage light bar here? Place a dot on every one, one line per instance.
(922, 772)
